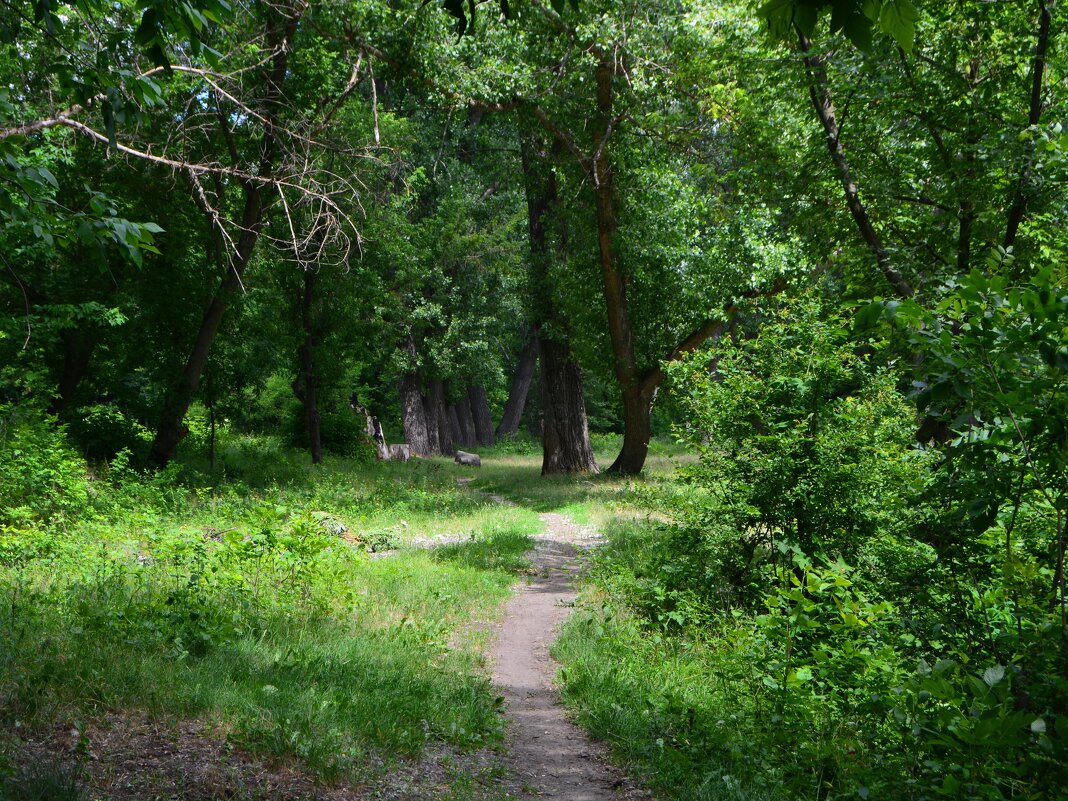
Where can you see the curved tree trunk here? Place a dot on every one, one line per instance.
(565, 434)
(480, 413)
(637, 430)
(176, 403)
(520, 389)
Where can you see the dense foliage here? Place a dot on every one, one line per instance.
(821, 243)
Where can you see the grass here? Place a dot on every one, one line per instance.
(226, 601)
(222, 596)
(592, 499)
(663, 698)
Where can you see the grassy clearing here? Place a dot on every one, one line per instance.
(592, 499)
(232, 601)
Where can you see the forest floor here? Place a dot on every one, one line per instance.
(392, 702)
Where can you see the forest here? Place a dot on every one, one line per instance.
(705, 359)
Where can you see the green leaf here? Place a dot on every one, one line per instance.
(898, 19)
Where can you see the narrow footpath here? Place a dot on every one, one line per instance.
(550, 758)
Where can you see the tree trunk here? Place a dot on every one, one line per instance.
(414, 416)
(437, 410)
(466, 420)
(819, 91)
(306, 358)
(1019, 201)
(480, 412)
(176, 403)
(517, 394)
(637, 430)
(454, 424)
(432, 434)
(565, 432)
(566, 444)
(637, 426)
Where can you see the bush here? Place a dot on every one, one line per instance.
(42, 478)
(103, 429)
(799, 439)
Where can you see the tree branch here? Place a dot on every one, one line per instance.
(1034, 115)
(822, 101)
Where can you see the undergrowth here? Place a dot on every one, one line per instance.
(255, 602)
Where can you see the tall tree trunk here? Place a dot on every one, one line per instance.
(565, 431)
(520, 389)
(819, 91)
(412, 411)
(637, 430)
(176, 403)
(306, 358)
(78, 345)
(637, 404)
(436, 409)
(480, 411)
(1018, 207)
(467, 422)
(433, 436)
(566, 444)
(454, 424)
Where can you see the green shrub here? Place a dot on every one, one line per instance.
(799, 439)
(42, 478)
(103, 429)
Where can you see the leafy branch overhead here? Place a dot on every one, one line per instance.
(856, 19)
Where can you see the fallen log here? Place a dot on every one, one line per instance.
(469, 459)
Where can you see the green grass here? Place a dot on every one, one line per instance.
(669, 704)
(219, 595)
(592, 499)
(225, 600)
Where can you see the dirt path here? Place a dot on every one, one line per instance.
(550, 757)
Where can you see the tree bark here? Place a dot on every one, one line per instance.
(520, 389)
(466, 420)
(637, 403)
(437, 410)
(454, 424)
(565, 431)
(566, 444)
(1018, 207)
(820, 94)
(432, 434)
(308, 380)
(480, 412)
(176, 403)
(412, 411)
